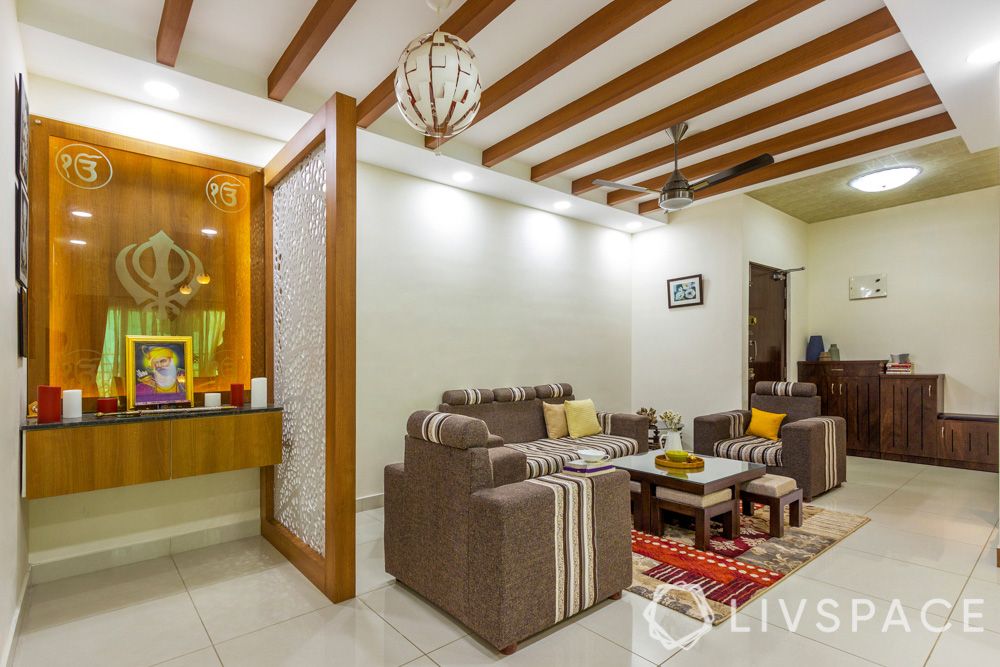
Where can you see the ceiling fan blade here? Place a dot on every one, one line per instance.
(623, 186)
(740, 169)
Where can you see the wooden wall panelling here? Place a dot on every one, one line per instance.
(216, 444)
(59, 461)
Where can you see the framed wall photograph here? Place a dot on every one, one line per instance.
(23, 213)
(685, 291)
(22, 322)
(159, 370)
(22, 128)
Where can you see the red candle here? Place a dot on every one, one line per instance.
(49, 404)
(236, 395)
(107, 404)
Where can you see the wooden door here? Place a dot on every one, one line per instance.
(767, 335)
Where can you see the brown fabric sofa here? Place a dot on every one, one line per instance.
(812, 449)
(469, 529)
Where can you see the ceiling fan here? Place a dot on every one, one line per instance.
(678, 192)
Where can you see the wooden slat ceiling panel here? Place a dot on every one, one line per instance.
(173, 22)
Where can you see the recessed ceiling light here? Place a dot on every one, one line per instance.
(633, 226)
(461, 177)
(561, 205)
(161, 90)
(208, 231)
(985, 55)
(81, 214)
(78, 242)
(884, 179)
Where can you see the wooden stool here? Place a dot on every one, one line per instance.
(777, 493)
(720, 505)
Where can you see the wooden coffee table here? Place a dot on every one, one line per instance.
(718, 474)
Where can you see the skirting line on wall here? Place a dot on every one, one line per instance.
(372, 502)
(7, 657)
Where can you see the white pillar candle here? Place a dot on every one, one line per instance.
(213, 400)
(258, 393)
(72, 403)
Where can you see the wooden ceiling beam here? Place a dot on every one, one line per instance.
(852, 121)
(887, 72)
(465, 22)
(715, 39)
(593, 31)
(860, 33)
(901, 134)
(173, 22)
(314, 32)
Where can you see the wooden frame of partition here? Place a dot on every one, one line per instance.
(335, 124)
(40, 294)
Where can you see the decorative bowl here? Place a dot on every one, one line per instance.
(677, 455)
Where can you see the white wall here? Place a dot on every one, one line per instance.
(776, 239)
(13, 545)
(941, 259)
(456, 289)
(689, 359)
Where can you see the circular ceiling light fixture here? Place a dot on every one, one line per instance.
(161, 90)
(461, 177)
(437, 85)
(884, 179)
(561, 205)
(987, 54)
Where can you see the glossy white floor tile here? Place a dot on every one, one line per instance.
(984, 601)
(221, 562)
(418, 620)
(206, 657)
(141, 634)
(933, 534)
(948, 555)
(238, 606)
(571, 646)
(346, 634)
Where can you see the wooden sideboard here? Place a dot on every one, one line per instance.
(900, 417)
(91, 454)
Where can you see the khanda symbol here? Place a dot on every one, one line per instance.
(159, 292)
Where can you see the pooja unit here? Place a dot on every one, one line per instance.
(901, 417)
(128, 237)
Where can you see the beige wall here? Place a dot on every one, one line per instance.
(689, 359)
(941, 258)
(13, 562)
(456, 289)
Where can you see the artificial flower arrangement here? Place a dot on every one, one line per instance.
(672, 420)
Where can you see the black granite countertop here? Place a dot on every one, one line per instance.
(91, 419)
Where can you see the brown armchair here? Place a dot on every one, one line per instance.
(812, 449)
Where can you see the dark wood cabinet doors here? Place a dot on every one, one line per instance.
(849, 389)
(910, 405)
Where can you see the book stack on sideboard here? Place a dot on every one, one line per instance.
(901, 416)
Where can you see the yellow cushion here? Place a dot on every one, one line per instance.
(581, 418)
(555, 420)
(765, 424)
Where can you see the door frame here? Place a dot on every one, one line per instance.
(784, 330)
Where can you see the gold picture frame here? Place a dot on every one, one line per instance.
(151, 363)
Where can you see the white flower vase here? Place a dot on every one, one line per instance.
(671, 440)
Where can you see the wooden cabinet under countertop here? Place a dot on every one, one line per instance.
(910, 405)
(92, 454)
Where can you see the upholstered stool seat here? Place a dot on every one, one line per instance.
(777, 492)
(693, 499)
(773, 486)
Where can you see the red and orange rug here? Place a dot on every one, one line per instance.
(731, 572)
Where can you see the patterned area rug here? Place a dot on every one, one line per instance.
(737, 570)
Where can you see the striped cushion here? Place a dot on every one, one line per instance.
(557, 390)
(750, 448)
(803, 389)
(513, 394)
(467, 396)
(736, 425)
(548, 456)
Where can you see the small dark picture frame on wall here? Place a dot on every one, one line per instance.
(22, 322)
(21, 234)
(685, 291)
(22, 128)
